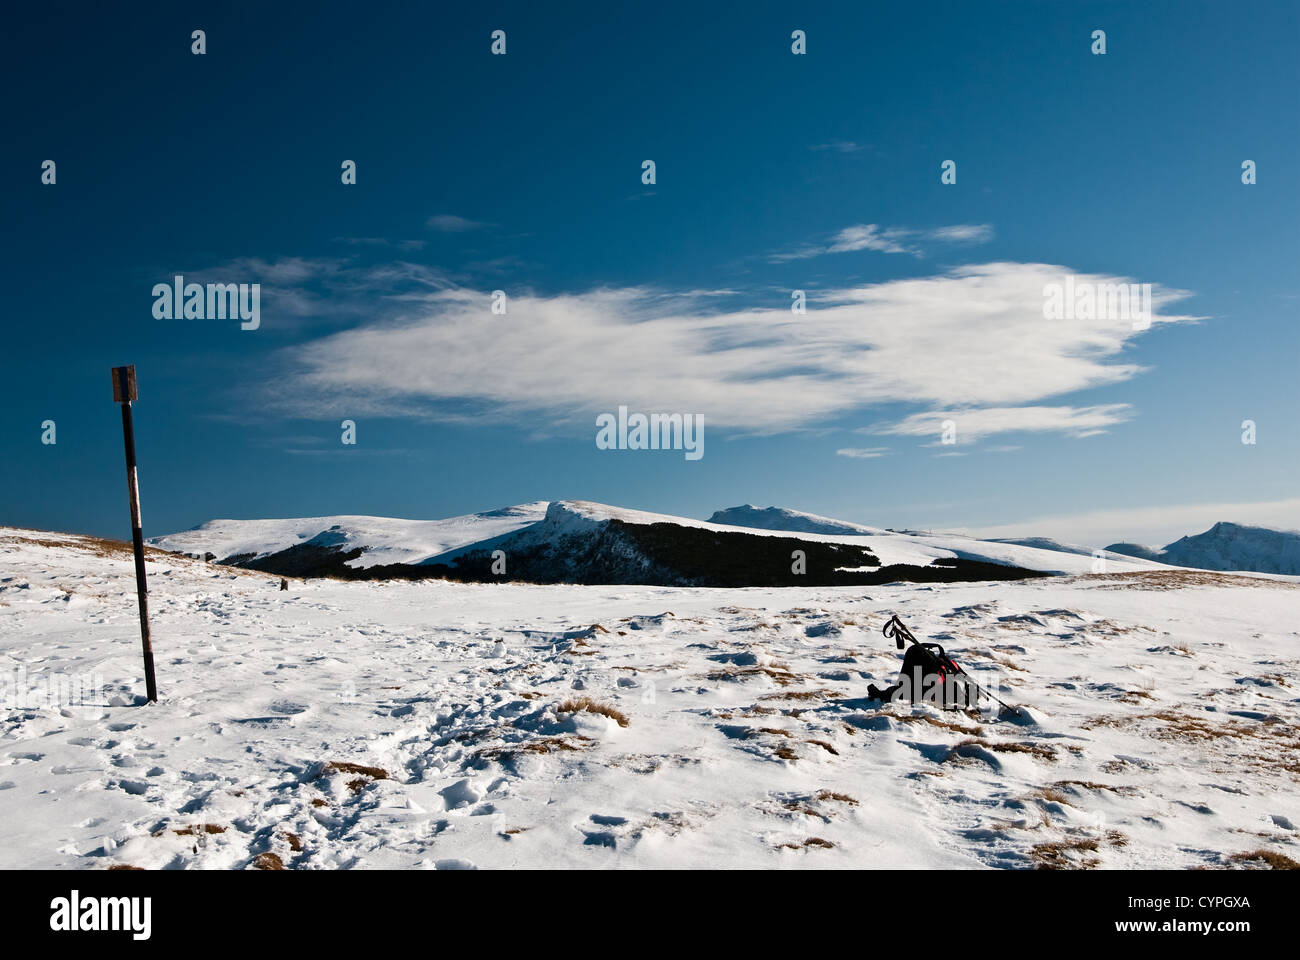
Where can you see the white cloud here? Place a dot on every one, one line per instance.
(871, 236)
(284, 271)
(840, 146)
(964, 233)
(972, 339)
(450, 223)
(976, 423)
(862, 453)
(868, 237)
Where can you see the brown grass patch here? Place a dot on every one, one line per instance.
(579, 704)
(802, 695)
(777, 672)
(1179, 579)
(1055, 855)
(1135, 696)
(342, 766)
(1179, 726)
(1275, 860)
(1265, 746)
(1000, 659)
(809, 844)
(195, 829)
(1038, 750)
(825, 795)
(122, 866)
(1123, 791)
(1052, 796)
(268, 861)
(795, 806)
(542, 745)
(824, 745)
(366, 775)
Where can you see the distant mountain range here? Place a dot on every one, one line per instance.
(1226, 546)
(573, 541)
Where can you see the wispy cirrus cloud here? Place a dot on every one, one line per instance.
(871, 236)
(839, 146)
(451, 223)
(862, 453)
(963, 233)
(972, 339)
(973, 424)
(382, 242)
(300, 291)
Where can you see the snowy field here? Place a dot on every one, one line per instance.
(376, 724)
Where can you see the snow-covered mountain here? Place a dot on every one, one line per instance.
(365, 541)
(783, 518)
(576, 541)
(1227, 546)
(1047, 543)
(780, 518)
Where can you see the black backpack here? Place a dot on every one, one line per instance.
(929, 675)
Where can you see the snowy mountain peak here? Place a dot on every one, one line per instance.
(782, 518)
(1228, 546)
(371, 541)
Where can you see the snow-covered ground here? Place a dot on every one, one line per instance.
(1163, 728)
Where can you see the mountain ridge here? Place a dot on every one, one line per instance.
(1227, 546)
(576, 541)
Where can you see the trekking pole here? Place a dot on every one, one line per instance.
(895, 630)
(1005, 705)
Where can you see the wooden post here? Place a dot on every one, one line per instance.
(124, 392)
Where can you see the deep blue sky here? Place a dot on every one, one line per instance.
(1125, 165)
